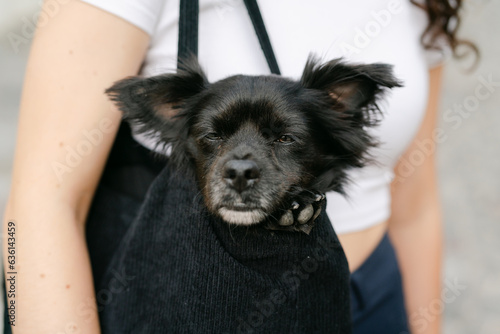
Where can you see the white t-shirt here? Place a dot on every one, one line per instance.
(364, 31)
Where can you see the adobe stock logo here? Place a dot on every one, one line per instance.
(74, 155)
(372, 29)
(455, 117)
(291, 280)
(87, 310)
(40, 19)
(471, 103)
(421, 319)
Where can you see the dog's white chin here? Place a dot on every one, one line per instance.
(249, 217)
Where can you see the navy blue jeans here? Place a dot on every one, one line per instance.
(377, 300)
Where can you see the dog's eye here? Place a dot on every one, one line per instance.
(285, 139)
(213, 136)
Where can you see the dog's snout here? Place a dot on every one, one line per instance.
(241, 174)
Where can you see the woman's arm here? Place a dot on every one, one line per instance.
(415, 226)
(75, 55)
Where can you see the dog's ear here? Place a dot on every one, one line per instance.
(351, 87)
(157, 105)
(342, 103)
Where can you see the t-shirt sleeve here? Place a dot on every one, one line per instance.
(141, 13)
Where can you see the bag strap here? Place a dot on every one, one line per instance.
(260, 30)
(188, 32)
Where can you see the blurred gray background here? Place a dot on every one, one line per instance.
(468, 162)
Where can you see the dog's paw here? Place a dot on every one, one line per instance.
(301, 215)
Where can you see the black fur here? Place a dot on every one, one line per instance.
(324, 118)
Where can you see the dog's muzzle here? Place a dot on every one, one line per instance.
(241, 174)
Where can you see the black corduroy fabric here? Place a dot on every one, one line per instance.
(128, 173)
(189, 272)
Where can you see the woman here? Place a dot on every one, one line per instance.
(82, 50)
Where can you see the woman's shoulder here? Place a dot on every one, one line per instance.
(143, 14)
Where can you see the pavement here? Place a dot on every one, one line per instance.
(468, 161)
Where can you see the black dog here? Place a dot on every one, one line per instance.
(261, 146)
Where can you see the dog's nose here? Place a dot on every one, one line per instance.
(241, 174)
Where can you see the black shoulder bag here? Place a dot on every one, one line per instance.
(162, 264)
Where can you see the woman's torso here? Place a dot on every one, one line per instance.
(365, 31)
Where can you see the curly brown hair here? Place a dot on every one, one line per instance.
(444, 22)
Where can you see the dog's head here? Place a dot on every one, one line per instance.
(256, 141)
